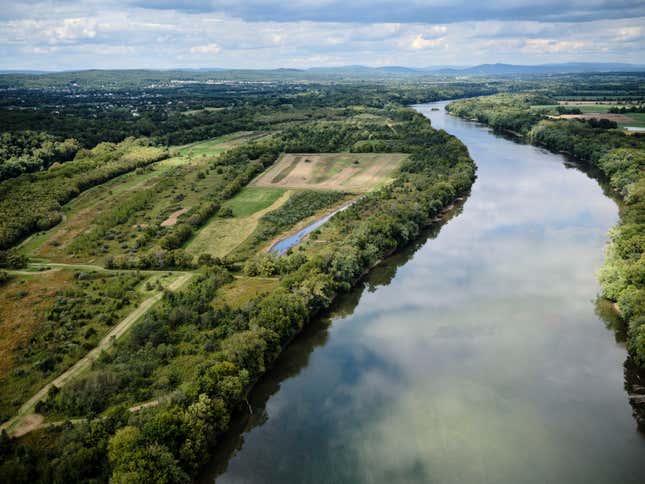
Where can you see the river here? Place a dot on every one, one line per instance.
(476, 355)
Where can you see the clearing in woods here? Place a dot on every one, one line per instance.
(597, 110)
(348, 172)
(221, 235)
(243, 289)
(218, 145)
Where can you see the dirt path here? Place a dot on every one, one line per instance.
(35, 421)
(25, 419)
(172, 218)
(52, 266)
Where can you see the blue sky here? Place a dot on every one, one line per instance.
(65, 34)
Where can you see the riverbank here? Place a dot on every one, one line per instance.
(455, 357)
(207, 357)
(621, 158)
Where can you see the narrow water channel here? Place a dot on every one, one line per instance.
(476, 355)
(282, 246)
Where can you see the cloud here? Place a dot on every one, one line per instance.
(87, 33)
(40, 50)
(431, 11)
(552, 45)
(72, 29)
(629, 34)
(420, 42)
(205, 49)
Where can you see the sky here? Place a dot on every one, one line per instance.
(162, 34)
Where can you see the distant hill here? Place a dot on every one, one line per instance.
(21, 71)
(510, 69)
(479, 70)
(125, 78)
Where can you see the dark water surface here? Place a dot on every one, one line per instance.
(475, 356)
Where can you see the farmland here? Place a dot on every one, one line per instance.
(117, 216)
(247, 227)
(596, 110)
(349, 172)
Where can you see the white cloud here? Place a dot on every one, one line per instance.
(72, 29)
(629, 33)
(40, 50)
(277, 38)
(85, 33)
(205, 49)
(420, 42)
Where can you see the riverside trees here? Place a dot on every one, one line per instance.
(204, 359)
(621, 158)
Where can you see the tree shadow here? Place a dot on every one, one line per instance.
(634, 375)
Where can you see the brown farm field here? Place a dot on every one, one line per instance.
(348, 172)
(618, 118)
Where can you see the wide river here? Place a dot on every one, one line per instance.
(478, 355)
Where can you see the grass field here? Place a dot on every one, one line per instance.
(253, 199)
(242, 290)
(217, 145)
(584, 108)
(348, 172)
(222, 235)
(639, 118)
(199, 111)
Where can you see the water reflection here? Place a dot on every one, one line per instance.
(634, 375)
(477, 357)
(296, 356)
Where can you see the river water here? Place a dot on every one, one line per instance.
(477, 355)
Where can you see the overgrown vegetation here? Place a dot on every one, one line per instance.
(49, 321)
(32, 202)
(29, 151)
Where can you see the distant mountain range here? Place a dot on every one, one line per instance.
(21, 71)
(105, 78)
(510, 69)
(488, 69)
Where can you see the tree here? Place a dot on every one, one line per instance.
(134, 461)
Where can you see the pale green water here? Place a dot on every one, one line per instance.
(475, 356)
